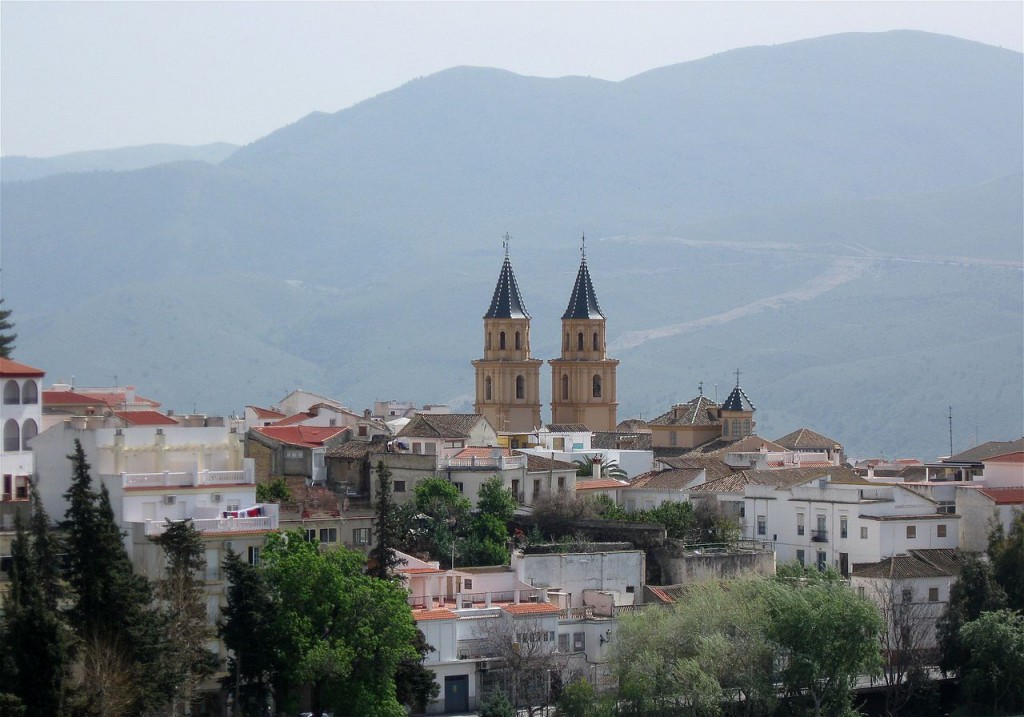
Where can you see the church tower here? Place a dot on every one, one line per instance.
(507, 379)
(583, 379)
(737, 414)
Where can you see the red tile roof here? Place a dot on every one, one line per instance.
(1006, 458)
(305, 436)
(13, 368)
(265, 412)
(117, 399)
(296, 419)
(420, 571)
(531, 608)
(70, 398)
(145, 418)
(661, 594)
(1005, 496)
(435, 614)
(600, 484)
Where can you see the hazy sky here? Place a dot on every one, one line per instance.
(95, 75)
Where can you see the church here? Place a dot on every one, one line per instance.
(508, 377)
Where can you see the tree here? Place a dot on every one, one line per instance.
(436, 518)
(557, 514)
(386, 528)
(414, 683)
(274, 490)
(528, 661)
(6, 338)
(111, 611)
(187, 661)
(826, 636)
(994, 672)
(496, 500)
(1006, 550)
(34, 642)
(250, 610)
(609, 469)
(340, 633)
(974, 592)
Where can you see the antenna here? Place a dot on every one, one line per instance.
(716, 393)
(950, 430)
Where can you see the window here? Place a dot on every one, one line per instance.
(254, 555)
(673, 438)
(842, 526)
(293, 454)
(630, 588)
(565, 347)
(725, 428)
(800, 524)
(460, 486)
(519, 343)
(908, 594)
(417, 448)
(822, 560)
(746, 426)
(561, 483)
(597, 386)
(520, 387)
(430, 448)
(487, 388)
(800, 556)
(597, 346)
(501, 340)
(30, 392)
(362, 430)
(762, 525)
(565, 387)
(467, 584)
(360, 536)
(399, 486)
(863, 532)
(579, 640)
(310, 535)
(28, 432)
(12, 394)
(563, 642)
(488, 346)
(12, 435)
(579, 341)
(328, 535)
(860, 591)
(940, 530)
(911, 532)
(536, 487)
(933, 594)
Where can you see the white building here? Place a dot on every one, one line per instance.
(20, 417)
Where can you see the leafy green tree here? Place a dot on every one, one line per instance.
(496, 500)
(558, 514)
(274, 490)
(386, 529)
(182, 593)
(497, 705)
(994, 673)
(608, 509)
(1006, 550)
(487, 542)
(254, 667)
(414, 683)
(974, 592)
(439, 515)
(34, 642)
(111, 611)
(827, 636)
(579, 699)
(342, 634)
(6, 338)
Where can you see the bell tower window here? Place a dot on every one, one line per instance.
(501, 340)
(565, 387)
(520, 387)
(597, 346)
(519, 343)
(579, 341)
(487, 388)
(597, 385)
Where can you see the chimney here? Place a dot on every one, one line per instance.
(597, 467)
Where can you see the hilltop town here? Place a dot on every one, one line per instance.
(599, 519)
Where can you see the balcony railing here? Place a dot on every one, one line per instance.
(177, 479)
(576, 613)
(484, 463)
(819, 536)
(220, 525)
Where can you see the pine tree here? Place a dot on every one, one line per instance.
(6, 339)
(383, 559)
(187, 661)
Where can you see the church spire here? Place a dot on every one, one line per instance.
(507, 302)
(583, 301)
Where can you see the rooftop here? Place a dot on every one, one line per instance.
(13, 368)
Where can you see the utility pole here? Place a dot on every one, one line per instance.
(951, 431)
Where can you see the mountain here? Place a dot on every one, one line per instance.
(841, 218)
(20, 169)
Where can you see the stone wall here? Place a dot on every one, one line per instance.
(679, 566)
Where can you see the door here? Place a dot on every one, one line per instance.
(844, 564)
(456, 693)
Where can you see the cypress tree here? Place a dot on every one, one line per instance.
(6, 339)
(383, 559)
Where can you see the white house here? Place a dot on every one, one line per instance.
(20, 417)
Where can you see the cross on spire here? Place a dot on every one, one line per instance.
(700, 388)
(737, 378)
(505, 241)
(583, 247)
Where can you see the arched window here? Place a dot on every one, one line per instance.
(519, 343)
(579, 341)
(487, 388)
(30, 392)
(597, 386)
(596, 346)
(12, 394)
(29, 430)
(735, 428)
(488, 339)
(12, 435)
(520, 387)
(565, 387)
(501, 340)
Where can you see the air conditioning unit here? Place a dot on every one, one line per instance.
(170, 499)
(216, 497)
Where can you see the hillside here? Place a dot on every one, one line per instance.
(841, 218)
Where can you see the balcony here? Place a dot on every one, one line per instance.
(483, 463)
(266, 521)
(819, 536)
(190, 479)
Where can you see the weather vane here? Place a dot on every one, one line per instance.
(505, 241)
(583, 247)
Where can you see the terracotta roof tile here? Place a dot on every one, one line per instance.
(700, 411)
(537, 464)
(145, 418)
(1004, 496)
(600, 484)
(434, 614)
(671, 479)
(356, 449)
(13, 368)
(266, 412)
(70, 398)
(305, 436)
(805, 438)
(917, 564)
(531, 608)
(480, 452)
(441, 425)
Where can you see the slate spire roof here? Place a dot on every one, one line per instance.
(507, 302)
(583, 302)
(737, 401)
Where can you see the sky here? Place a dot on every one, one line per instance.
(80, 76)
